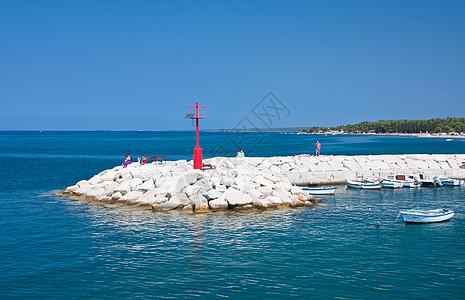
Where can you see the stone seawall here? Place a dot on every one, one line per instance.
(335, 169)
(248, 183)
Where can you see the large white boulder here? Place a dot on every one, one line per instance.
(218, 204)
(198, 198)
(262, 181)
(132, 196)
(108, 176)
(96, 192)
(177, 201)
(237, 199)
(201, 207)
(255, 194)
(239, 182)
(148, 185)
(191, 190)
(135, 182)
(274, 201)
(123, 178)
(227, 180)
(221, 188)
(96, 179)
(262, 203)
(211, 194)
(283, 186)
(270, 177)
(72, 188)
(148, 197)
(164, 206)
(160, 199)
(265, 190)
(116, 196)
(124, 187)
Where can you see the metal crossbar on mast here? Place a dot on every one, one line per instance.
(197, 157)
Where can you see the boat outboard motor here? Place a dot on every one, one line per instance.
(437, 181)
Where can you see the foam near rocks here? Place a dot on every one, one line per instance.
(247, 183)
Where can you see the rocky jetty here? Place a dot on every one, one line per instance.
(247, 183)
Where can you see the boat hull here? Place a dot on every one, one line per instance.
(428, 183)
(430, 216)
(363, 186)
(451, 182)
(400, 180)
(392, 184)
(320, 191)
(411, 184)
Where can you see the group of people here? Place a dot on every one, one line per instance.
(128, 160)
(240, 153)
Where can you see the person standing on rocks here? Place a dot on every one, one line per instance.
(318, 148)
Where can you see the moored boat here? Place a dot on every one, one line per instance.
(392, 184)
(407, 181)
(426, 216)
(451, 182)
(363, 185)
(320, 190)
(428, 182)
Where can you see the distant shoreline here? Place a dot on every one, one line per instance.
(420, 135)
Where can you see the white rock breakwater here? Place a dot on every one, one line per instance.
(247, 183)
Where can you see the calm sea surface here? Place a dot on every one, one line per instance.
(54, 247)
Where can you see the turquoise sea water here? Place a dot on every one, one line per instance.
(54, 247)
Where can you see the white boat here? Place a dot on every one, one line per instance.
(426, 216)
(392, 184)
(320, 190)
(451, 182)
(407, 181)
(428, 182)
(363, 185)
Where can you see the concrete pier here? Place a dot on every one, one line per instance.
(335, 169)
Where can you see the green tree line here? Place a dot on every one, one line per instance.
(399, 126)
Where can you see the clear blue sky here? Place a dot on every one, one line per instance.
(138, 65)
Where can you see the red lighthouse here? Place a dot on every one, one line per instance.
(199, 114)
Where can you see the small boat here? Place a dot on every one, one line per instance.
(392, 184)
(363, 185)
(426, 216)
(372, 180)
(428, 182)
(451, 182)
(407, 181)
(320, 190)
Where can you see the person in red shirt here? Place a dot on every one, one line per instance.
(144, 160)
